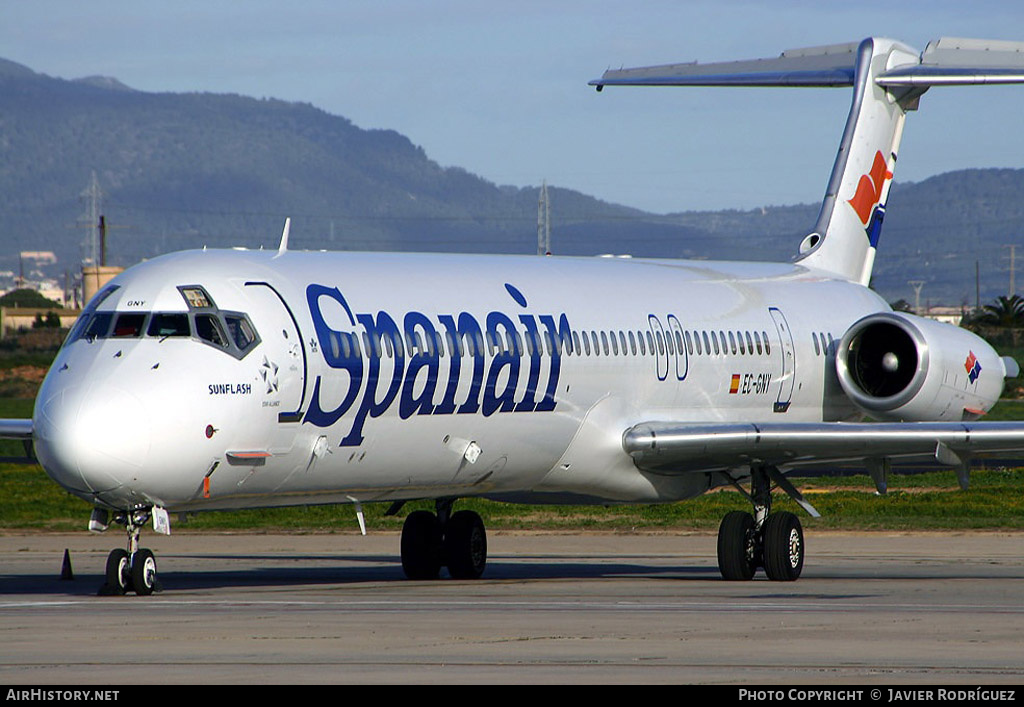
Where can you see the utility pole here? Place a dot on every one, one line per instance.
(93, 197)
(103, 239)
(543, 221)
(1013, 267)
(977, 286)
(917, 285)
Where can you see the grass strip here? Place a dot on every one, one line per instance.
(933, 501)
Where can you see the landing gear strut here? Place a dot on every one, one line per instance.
(134, 569)
(431, 541)
(774, 541)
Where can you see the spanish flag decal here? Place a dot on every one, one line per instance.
(734, 386)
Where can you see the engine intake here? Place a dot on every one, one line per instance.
(901, 367)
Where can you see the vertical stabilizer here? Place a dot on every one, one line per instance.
(850, 222)
(888, 79)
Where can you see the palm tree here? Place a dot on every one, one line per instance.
(1004, 312)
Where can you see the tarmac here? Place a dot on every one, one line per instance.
(552, 608)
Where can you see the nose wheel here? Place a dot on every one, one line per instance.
(134, 569)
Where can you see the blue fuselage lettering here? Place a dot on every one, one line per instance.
(379, 359)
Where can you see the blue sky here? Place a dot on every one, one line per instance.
(500, 88)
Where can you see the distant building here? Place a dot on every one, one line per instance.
(94, 277)
(13, 319)
(42, 257)
(949, 315)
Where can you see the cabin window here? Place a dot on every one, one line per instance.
(615, 345)
(767, 344)
(757, 342)
(750, 344)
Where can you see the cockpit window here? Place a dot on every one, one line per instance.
(231, 332)
(86, 317)
(208, 329)
(99, 325)
(240, 330)
(197, 297)
(165, 324)
(129, 324)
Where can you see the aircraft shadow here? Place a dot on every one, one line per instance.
(368, 569)
(350, 570)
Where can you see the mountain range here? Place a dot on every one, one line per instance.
(186, 170)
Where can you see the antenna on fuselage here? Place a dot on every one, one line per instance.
(283, 248)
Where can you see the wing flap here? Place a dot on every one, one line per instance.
(673, 447)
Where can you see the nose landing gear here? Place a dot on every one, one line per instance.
(134, 569)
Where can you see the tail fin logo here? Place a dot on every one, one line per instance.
(869, 189)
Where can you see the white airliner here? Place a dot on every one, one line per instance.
(224, 379)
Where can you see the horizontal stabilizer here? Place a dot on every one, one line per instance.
(961, 62)
(947, 61)
(818, 66)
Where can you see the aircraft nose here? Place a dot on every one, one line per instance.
(92, 440)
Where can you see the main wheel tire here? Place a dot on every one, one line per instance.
(465, 545)
(421, 545)
(119, 573)
(783, 547)
(144, 572)
(737, 546)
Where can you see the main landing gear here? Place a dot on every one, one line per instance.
(134, 569)
(774, 541)
(431, 541)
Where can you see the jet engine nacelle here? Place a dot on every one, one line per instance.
(896, 366)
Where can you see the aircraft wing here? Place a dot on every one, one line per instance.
(15, 429)
(19, 430)
(673, 447)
